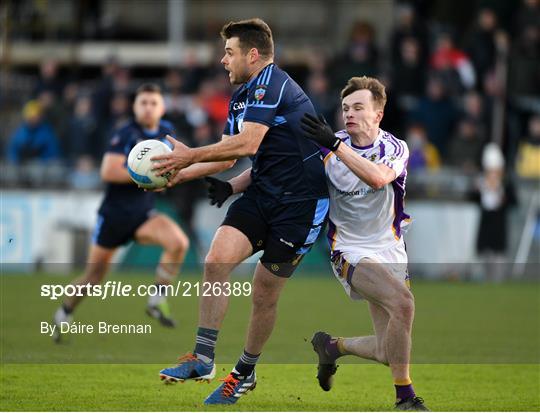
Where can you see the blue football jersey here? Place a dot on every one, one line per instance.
(287, 166)
(128, 198)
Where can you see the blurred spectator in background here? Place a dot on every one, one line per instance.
(493, 91)
(57, 111)
(528, 161)
(480, 42)
(34, 139)
(527, 15)
(196, 114)
(119, 114)
(116, 80)
(495, 197)
(443, 101)
(452, 65)
(324, 100)
(194, 73)
(393, 118)
(61, 114)
(437, 112)
(176, 102)
(214, 98)
(359, 58)
(408, 26)
(49, 80)
(473, 110)
(524, 71)
(423, 156)
(203, 135)
(465, 149)
(409, 73)
(408, 80)
(81, 137)
(50, 112)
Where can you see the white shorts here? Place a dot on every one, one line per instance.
(394, 258)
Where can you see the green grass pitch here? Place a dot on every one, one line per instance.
(476, 348)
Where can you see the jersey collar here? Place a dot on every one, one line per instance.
(250, 83)
(363, 148)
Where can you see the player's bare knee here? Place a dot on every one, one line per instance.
(214, 257)
(404, 306)
(94, 277)
(178, 245)
(95, 274)
(216, 268)
(263, 301)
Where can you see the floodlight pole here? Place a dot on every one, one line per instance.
(501, 76)
(4, 44)
(177, 30)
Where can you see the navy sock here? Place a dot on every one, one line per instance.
(205, 343)
(404, 392)
(246, 363)
(161, 288)
(67, 310)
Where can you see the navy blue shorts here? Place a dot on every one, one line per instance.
(113, 229)
(285, 231)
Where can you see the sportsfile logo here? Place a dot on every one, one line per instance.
(121, 289)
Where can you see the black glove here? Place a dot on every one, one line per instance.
(319, 131)
(218, 191)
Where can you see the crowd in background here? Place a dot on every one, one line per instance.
(467, 101)
(443, 89)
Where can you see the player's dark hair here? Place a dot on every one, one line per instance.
(377, 89)
(251, 33)
(148, 87)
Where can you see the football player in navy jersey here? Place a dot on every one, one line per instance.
(282, 210)
(127, 212)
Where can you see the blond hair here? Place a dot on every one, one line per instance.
(377, 89)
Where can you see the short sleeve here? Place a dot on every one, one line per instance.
(396, 155)
(116, 144)
(265, 97)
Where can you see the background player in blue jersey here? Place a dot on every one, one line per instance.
(127, 212)
(282, 210)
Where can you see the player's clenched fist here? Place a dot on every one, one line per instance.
(218, 191)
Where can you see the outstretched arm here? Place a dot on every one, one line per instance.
(199, 170)
(246, 143)
(375, 175)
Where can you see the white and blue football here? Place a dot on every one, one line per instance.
(140, 166)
